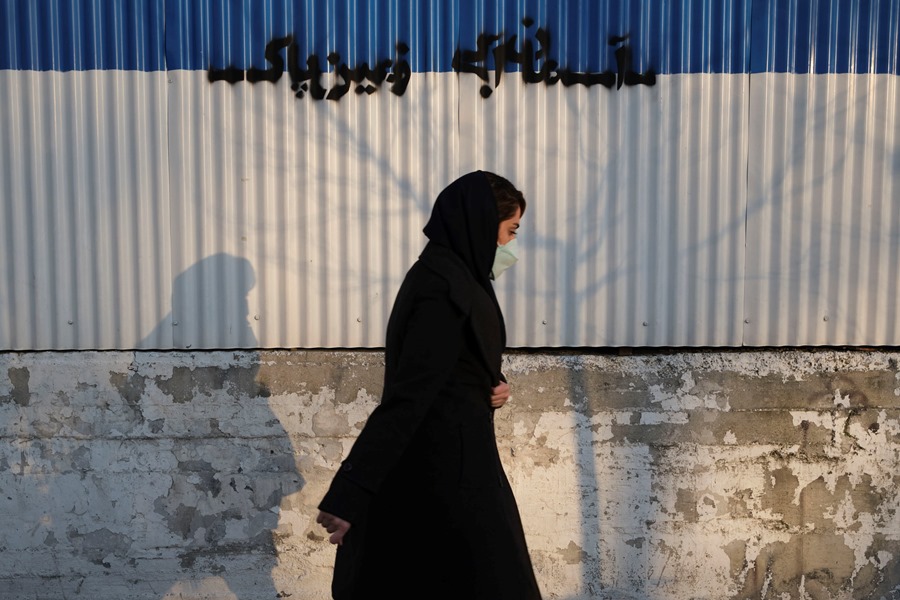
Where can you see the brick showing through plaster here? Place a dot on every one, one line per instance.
(706, 475)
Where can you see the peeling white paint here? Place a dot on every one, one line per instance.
(841, 401)
(666, 489)
(791, 366)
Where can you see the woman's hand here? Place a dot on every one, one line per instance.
(336, 526)
(499, 395)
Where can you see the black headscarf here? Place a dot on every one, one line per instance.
(465, 219)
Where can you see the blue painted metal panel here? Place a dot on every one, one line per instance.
(826, 36)
(82, 35)
(670, 37)
(207, 34)
(679, 36)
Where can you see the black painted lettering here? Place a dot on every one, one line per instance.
(230, 75)
(273, 57)
(506, 53)
(365, 80)
(401, 72)
(342, 71)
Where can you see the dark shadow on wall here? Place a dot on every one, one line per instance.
(161, 476)
(614, 491)
(234, 462)
(209, 307)
(590, 493)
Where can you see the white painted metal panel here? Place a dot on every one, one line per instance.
(635, 232)
(295, 220)
(824, 210)
(151, 209)
(84, 218)
(326, 201)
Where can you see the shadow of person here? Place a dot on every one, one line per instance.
(211, 529)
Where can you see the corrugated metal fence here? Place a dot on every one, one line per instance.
(256, 174)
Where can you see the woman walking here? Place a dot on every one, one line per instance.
(421, 507)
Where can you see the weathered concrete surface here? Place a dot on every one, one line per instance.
(705, 475)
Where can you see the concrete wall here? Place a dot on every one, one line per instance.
(674, 476)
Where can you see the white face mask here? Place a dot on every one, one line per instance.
(504, 258)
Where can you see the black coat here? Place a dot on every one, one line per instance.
(432, 514)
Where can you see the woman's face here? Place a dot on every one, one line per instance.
(508, 228)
